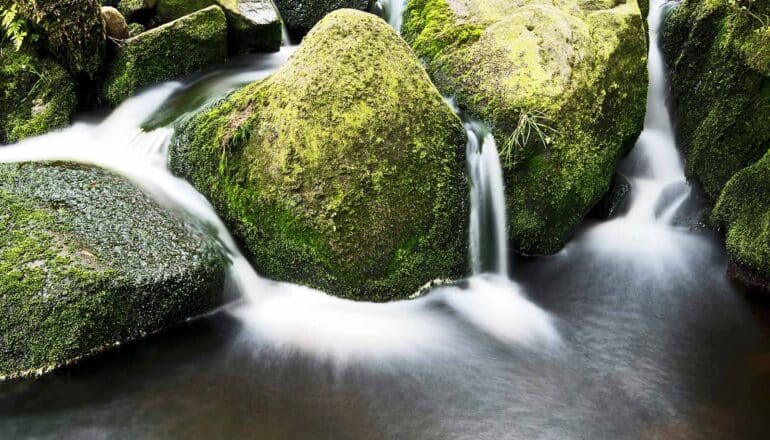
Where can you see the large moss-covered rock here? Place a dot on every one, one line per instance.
(301, 15)
(253, 25)
(167, 52)
(87, 260)
(719, 53)
(720, 81)
(563, 86)
(343, 170)
(71, 30)
(37, 95)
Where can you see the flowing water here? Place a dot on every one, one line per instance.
(634, 331)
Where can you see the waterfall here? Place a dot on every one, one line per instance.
(393, 12)
(488, 238)
(654, 165)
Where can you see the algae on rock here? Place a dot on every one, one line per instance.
(87, 261)
(573, 73)
(343, 170)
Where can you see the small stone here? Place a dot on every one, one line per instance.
(114, 23)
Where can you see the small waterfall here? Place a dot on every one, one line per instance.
(488, 238)
(654, 165)
(393, 12)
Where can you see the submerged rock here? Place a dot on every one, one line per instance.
(563, 86)
(343, 170)
(88, 261)
(616, 201)
(719, 52)
(302, 15)
(72, 31)
(37, 95)
(167, 52)
(253, 25)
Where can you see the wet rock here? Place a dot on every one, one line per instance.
(88, 261)
(253, 25)
(167, 52)
(343, 170)
(137, 10)
(37, 95)
(302, 15)
(615, 201)
(563, 86)
(114, 23)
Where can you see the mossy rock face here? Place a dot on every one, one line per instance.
(87, 260)
(574, 71)
(37, 96)
(720, 81)
(253, 25)
(72, 31)
(167, 52)
(302, 15)
(743, 210)
(343, 170)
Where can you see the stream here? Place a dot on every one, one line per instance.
(631, 331)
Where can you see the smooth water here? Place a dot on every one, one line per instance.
(634, 331)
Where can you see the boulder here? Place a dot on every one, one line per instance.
(615, 201)
(37, 95)
(302, 15)
(720, 83)
(114, 24)
(343, 170)
(88, 261)
(563, 86)
(253, 25)
(72, 32)
(137, 10)
(167, 52)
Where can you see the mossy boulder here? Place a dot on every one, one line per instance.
(72, 32)
(253, 25)
(720, 81)
(562, 85)
(88, 261)
(167, 52)
(37, 95)
(343, 170)
(302, 15)
(114, 23)
(137, 10)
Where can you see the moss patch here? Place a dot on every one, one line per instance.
(343, 170)
(576, 68)
(167, 52)
(301, 15)
(37, 96)
(86, 260)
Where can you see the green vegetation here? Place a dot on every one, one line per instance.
(343, 170)
(564, 86)
(86, 261)
(167, 52)
(302, 15)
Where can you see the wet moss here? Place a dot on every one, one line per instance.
(575, 68)
(37, 95)
(167, 52)
(86, 261)
(343, 170)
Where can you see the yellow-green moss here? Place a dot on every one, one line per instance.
(167, 52)
(343, 170)
(577, 68)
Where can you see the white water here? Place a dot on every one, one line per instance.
(394, 11)
(284, 315)
(654, 169)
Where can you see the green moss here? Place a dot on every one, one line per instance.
(37, 96)
(343, 170)
(743, 210)
(302, 15)
(167, 52)
(720, 86)
(169, 10)
(72, 31)
(86, 260)
(580, 67)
